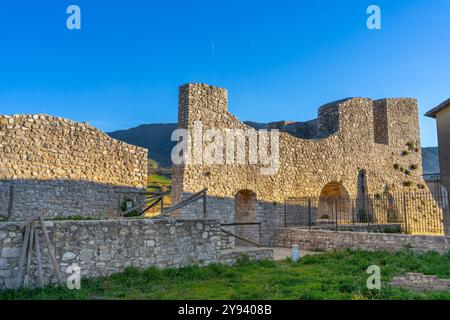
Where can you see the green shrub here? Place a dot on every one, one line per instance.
(410, 145)
(407, 183)
(124, 208)
(391, 229)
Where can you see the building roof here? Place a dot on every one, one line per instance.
(432, 113)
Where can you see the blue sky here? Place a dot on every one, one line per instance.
(280, 60)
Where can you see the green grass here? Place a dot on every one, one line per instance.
(337, 275)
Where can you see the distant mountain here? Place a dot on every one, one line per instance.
(156, 138)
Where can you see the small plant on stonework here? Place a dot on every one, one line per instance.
(396, 166)
(410, 145)
(421, 186)
(377, 196)
(407, 183)
(413, 167)
(407, 172)
(405, 153)
(325, 217)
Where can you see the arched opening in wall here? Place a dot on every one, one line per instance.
(362, 204)
(245, 211)
(334, 205)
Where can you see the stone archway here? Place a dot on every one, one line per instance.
(245, 211)
(334, 203)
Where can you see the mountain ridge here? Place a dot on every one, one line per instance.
(156, 137)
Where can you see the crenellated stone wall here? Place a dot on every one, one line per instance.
(61, 167)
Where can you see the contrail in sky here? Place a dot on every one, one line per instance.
(213, 49)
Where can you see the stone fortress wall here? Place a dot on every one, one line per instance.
(64, 168)
(103, 247)
(352, 136)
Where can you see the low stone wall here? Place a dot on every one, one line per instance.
(231, 256)
(330, 240)
(64, 198)
(420, 282)
(103, 247)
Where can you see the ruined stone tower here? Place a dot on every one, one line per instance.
(355, 146)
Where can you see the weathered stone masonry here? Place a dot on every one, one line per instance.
(103, 247)
(349, 137)
(337, 240)
(60, 168)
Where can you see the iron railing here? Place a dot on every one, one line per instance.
(410, 213)
(151, 201)
(202, 194)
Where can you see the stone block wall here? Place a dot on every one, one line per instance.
(331, 240)
(269, 214)
(63, 167)
(307, 165)
(101, 248)
(64, 198)
(420, 282)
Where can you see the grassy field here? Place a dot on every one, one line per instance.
(337, 275)
(159, 180)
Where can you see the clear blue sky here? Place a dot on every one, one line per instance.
(279, 59)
